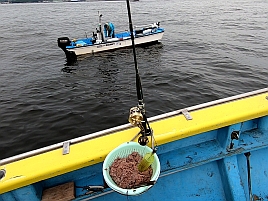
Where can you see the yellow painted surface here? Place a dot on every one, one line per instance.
(53, 163)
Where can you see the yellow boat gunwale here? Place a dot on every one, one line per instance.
(53, 163)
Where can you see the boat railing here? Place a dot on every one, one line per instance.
(147, 26)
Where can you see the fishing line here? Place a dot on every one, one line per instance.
(155, 143)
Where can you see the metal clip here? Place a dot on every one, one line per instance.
(66, 148)
(186, 114)
(234, 136)
(2, 173)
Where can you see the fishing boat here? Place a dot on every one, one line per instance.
(143, 34)
(212, 151)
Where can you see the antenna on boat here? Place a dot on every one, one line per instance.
(137, 114)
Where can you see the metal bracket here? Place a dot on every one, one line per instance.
(66, 148)
(234, 136)
(186, 114)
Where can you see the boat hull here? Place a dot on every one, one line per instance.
(116, 44)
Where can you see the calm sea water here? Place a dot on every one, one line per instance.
(210, 50)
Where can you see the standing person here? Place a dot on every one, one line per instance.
(109, 30)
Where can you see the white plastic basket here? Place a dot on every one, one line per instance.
(123, 151)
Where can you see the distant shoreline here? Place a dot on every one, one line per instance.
(53, 1)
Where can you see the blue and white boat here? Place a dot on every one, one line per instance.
(212, 151)
(144, 35)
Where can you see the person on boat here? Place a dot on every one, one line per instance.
(109, 30)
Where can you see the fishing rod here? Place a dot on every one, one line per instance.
(137, 114)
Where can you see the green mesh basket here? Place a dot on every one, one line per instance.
(123, 151)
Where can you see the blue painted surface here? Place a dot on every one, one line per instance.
(122, 35)
(208, 166)
(31, 193)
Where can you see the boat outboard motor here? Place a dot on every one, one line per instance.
(63, 42)
(71, 57)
